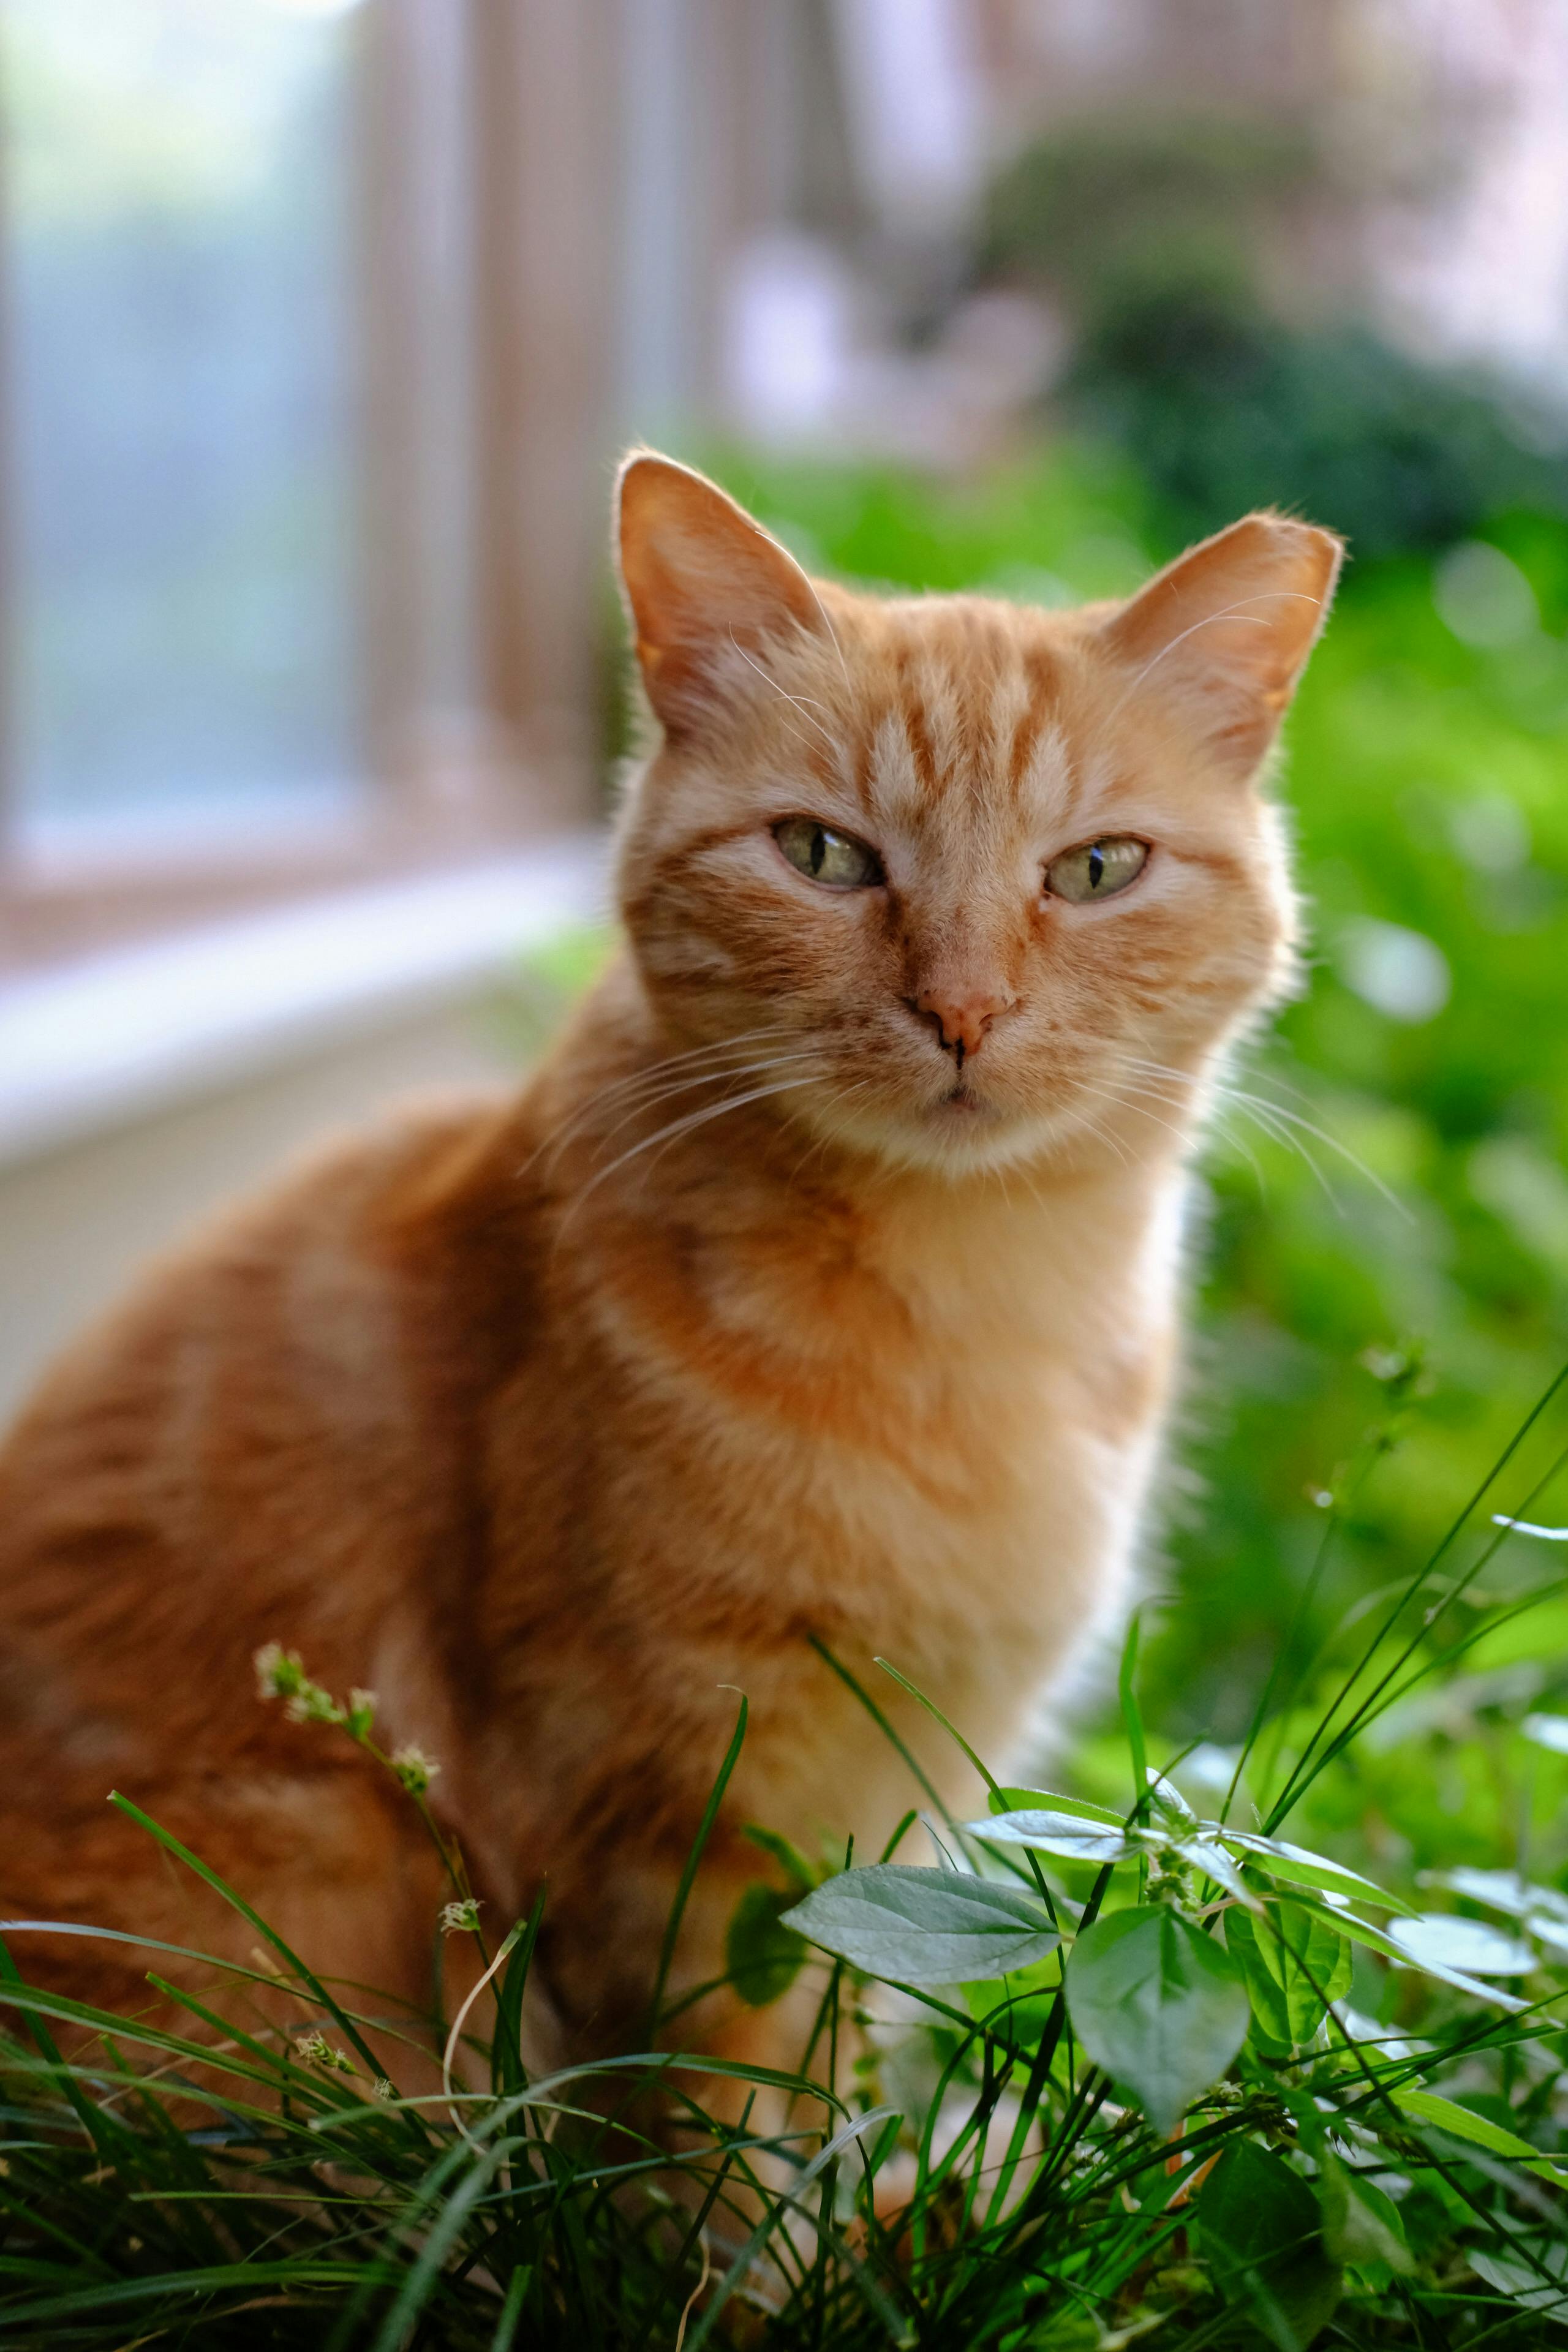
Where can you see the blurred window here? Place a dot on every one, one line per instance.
(180, 394)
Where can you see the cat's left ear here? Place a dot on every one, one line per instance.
(707, 588)
(1226, 629)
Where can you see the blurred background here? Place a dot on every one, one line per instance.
(319, 327)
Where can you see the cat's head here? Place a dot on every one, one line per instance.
(958, 879)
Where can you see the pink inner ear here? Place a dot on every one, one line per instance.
(699, 577)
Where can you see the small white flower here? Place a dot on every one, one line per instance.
(414, 1767)
(279, 1672)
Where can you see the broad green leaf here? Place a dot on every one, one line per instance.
(1294, 1863)
(1522, 2280)
(924, 1926)
(1161, 2007)
(1261, 2233)
(1294, 1964)
(1361, 1931)
(1360, 2224)
(761, 1956)
(1444, 1940)
(1460, 2123)
(1060, 1833)
(1016, 1800)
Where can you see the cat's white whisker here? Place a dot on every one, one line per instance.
(680, 1126)
(752, 1069)
(821, 1143)
(1133, 1098)
(647, 1076)
(1180, 1088)
(1279, 1121)
(1123, 1101)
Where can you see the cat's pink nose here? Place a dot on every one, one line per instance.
(960, 1016)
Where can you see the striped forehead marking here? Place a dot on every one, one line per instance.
(944, 733)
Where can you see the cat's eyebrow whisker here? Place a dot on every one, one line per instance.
(1237, 612)
(832, 635)
(795, 700)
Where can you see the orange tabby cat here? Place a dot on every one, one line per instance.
(823, 1282)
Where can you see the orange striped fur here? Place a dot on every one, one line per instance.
(823, 1282)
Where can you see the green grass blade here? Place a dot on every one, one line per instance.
(682, 1892)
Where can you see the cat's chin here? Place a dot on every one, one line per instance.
(959, 1133)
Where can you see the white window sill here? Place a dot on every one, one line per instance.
(99, 1042)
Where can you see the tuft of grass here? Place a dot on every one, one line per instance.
(1090, 2069)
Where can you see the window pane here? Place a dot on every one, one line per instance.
(180, 347)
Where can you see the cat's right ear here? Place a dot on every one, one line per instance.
(707, 588)
(1226, 629)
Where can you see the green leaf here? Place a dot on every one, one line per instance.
(761, 1956)
(1060, 1833)
(1460, 2123)
(1361, 1931)
(1444, 1940)
(1283, 1957)
(1158, 2005)
(1015, 1801)
(924, 1926)
(1300, 1868)
(1360, 2224)
(1261, 2233)
(1522, 2280)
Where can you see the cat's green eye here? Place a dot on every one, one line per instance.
(835, 859)
(1098, 870)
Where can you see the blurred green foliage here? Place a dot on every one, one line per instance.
(1206, 266)
(1224, 407)
(1426, 770)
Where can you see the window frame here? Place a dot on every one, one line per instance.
(513, 437)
